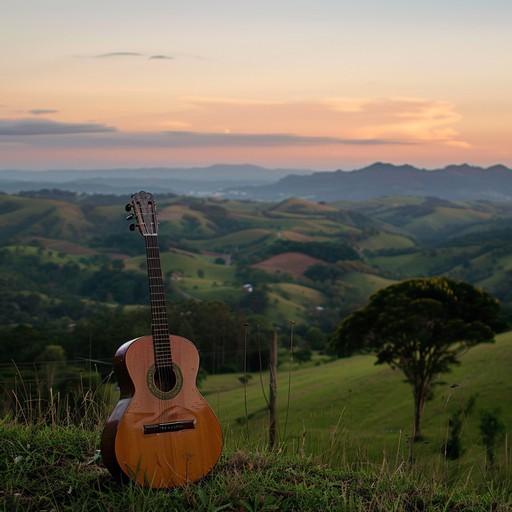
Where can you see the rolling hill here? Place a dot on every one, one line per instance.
(342, 251)
(353, 405)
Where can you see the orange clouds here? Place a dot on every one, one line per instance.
(394, 119)
(327, 133)
(413, 119)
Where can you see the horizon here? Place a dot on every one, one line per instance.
(337, 85)
(226, 166)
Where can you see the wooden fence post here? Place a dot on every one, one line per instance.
(273, 392)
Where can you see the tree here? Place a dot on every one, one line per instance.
(52, 358)
(491, 429)
(315, 338)
(213, 328)
(420, 326)
(255, 301)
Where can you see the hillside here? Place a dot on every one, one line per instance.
(370, 405)
(73, 276)
(211, 248)
(454, 183)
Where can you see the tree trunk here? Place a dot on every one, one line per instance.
(419, 404)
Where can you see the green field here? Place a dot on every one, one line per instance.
(351, 405)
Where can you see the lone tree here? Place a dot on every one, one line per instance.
(420, 326)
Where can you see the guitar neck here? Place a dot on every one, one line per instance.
(159, 321)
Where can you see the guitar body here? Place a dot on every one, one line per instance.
(160, 438)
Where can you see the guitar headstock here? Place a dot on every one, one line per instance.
(144, 212)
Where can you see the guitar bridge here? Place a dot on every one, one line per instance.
(170, 426)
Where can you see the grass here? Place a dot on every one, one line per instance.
(350, 407)
(233, 241)
(383, 240)
(298, 294)
(343, 445)
(189, 266)
(44, 468)
(366, 284)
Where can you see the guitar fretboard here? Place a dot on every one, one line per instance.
(159, 321)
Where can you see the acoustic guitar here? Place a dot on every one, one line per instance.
(162, 433)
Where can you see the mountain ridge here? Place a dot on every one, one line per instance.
(455, 182)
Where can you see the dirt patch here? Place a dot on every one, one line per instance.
(293, 263)
(170, 215)
(295, 237)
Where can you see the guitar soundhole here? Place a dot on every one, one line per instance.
(165, 382)
(165, 379)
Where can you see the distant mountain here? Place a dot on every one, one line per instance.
(454, 183)
(202, 181)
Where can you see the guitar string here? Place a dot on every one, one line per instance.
(160, 330)
(160, 334)
(160, 326)
(161, 337)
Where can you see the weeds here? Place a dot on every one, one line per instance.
(57, 468)
(491, 429)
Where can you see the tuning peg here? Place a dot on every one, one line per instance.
(130, 217)
(132, 227)
(128, 207)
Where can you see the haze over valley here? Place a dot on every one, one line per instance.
(454, 182)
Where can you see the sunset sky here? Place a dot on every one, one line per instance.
(319, 85)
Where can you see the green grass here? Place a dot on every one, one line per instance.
(292, 302)
(364, 285)
(300, 294)
(233, 241)
(343, 446)
(188, 265)
(281, 309)
(356, 406)
(59, 469)
(384, 240)
(447, 218)
(415, 264)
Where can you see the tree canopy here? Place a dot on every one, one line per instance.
(420, 326)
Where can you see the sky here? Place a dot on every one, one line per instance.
(318, 84)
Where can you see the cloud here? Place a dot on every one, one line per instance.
(237, 123)
(406, 118)
(190, 139)
(160, 57)
(207, 139)
(150, 56)
(346, 105)
(50, 134)
(30, 127)
(113, 55)
(417, 120)
(42, 111)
